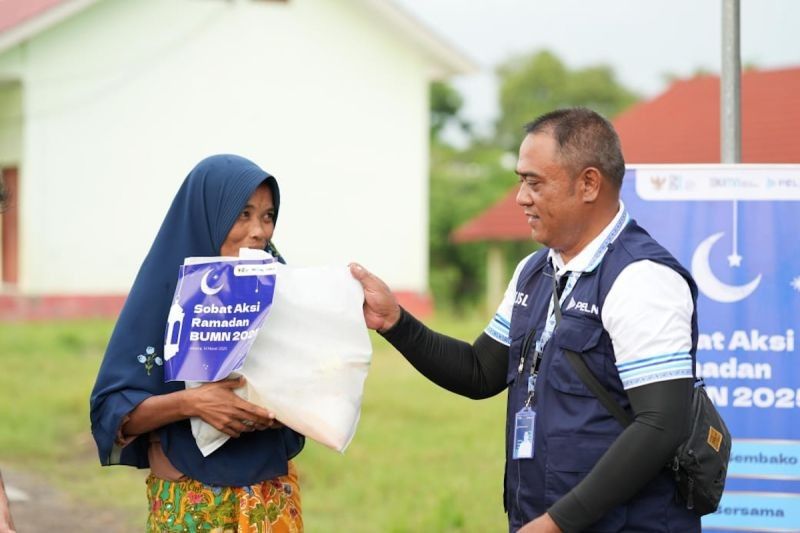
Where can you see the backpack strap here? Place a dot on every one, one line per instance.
(589, 379)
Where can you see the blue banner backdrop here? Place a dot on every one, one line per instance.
(737, 229)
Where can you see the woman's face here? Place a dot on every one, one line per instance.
(255, 224)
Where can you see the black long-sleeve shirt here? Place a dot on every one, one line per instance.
(479, 371)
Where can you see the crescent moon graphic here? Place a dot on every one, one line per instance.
(708, 282)
(211, 291)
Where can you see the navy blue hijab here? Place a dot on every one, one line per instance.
(198, 221)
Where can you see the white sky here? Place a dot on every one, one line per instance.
(641, 39)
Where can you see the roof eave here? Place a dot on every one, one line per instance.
(447, 59)
(37, 24)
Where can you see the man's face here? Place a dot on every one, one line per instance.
(547, 193)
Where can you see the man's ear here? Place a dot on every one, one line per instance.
(589, 183)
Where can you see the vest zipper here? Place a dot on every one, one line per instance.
(526, 347)
(519, 476)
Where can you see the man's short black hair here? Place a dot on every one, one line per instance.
(584, 139)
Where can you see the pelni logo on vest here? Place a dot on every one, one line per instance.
(585, 307)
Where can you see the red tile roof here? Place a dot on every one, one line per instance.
(682, 126)
(14, 12)
(503, 221)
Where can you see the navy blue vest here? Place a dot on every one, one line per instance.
(573, 429)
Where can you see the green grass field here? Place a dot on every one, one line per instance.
(422, 459)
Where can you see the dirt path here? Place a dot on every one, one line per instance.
(38, 508)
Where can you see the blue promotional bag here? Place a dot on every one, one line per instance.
(219, 305)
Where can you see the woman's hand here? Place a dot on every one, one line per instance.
(217, 404)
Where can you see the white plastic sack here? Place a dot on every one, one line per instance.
(310, 358)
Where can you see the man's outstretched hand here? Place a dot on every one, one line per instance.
(381, 310)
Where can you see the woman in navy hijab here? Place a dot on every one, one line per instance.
(225, 203)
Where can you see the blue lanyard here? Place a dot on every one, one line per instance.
(550, 325)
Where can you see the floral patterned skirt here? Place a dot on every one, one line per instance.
(271, 506)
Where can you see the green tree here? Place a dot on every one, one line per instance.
(672, 77)
(464, 182)
(533, 84)
(445, 108)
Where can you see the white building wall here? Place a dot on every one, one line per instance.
(121, 101)
(10, 123)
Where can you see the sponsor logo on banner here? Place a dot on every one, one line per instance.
(722, 182)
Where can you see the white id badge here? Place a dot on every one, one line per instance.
(524, 423)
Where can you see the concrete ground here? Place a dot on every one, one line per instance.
(36, 507)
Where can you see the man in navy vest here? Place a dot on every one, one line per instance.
(627, 308)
